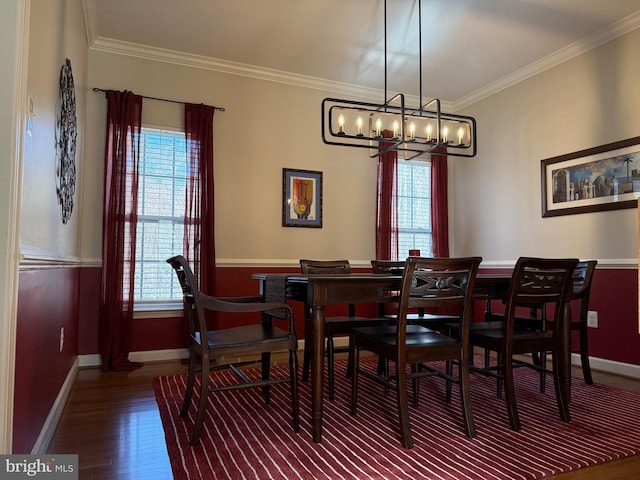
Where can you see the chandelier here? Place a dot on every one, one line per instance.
(392, 126)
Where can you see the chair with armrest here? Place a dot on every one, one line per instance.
(250, 344)
(334, 325)
(427, 283)
(535, 282)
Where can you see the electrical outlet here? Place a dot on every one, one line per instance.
(592, 319)
(61, 338)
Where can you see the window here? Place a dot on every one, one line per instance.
(414, 207)
(161, 205)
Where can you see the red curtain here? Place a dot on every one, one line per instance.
(387, 206)
(122, 151)
(439, 203)
(199, 234)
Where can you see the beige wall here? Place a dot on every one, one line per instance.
(266, 127)
(590, 100)
(495, 198)
(56, 33)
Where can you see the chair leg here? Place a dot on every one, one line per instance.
(501, 362)
(415, 383)
(509, 391)
(559, 383)
(266, 372)
(330, 371)
(584, 355)
(465, 396)
(543, 373)
(354, 379)
(403, 407)
(202, 403)
(191, 380)
(306, 361)
(295, 400)
(350, 357)
(449, 372)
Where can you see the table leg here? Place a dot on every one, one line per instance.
(566, 351)
(317, 370)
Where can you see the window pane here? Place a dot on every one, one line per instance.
(414, 207)
(161, 205)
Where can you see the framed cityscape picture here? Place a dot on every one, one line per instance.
(597, 179)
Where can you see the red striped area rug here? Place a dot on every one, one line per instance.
(244, 439)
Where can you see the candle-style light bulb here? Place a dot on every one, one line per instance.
(460, 135)
(378, 127)
(359, 124)
(445, 134)
(395, 129)
(429, 130)
(341, 124)
(412, 131)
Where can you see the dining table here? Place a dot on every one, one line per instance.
(321, 290)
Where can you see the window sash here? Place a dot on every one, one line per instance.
(161, 206)
(414, 207)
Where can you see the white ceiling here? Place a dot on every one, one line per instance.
(470, 47)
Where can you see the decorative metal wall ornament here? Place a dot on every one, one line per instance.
(65, 139)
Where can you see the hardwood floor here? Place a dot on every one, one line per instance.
(111, 421)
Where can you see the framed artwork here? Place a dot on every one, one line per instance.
(301, 198)
(597, 179)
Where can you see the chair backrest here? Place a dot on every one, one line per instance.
(191, 295)
(539, 282)
(582, 277)
(387, 267)
(327, 267)
(438, 282)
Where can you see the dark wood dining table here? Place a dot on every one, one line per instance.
(320, 290)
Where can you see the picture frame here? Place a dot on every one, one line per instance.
(301, 198)
(596, 179)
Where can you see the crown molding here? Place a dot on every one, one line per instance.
(605, 35)
(108, 45)
(101, 44)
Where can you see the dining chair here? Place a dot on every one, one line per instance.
(426, 283)
(538, 319)
(581, 292)
(334, 325)
(435, 321)
(213, 349)
(535, 282)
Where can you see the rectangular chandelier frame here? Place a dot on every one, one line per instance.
(391, 126)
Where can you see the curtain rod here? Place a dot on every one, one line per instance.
(221, 109)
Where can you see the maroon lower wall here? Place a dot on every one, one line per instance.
(47, 302)
(614, 295)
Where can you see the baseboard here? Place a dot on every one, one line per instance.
(94, 360)
(610, 366)
(50, 424)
